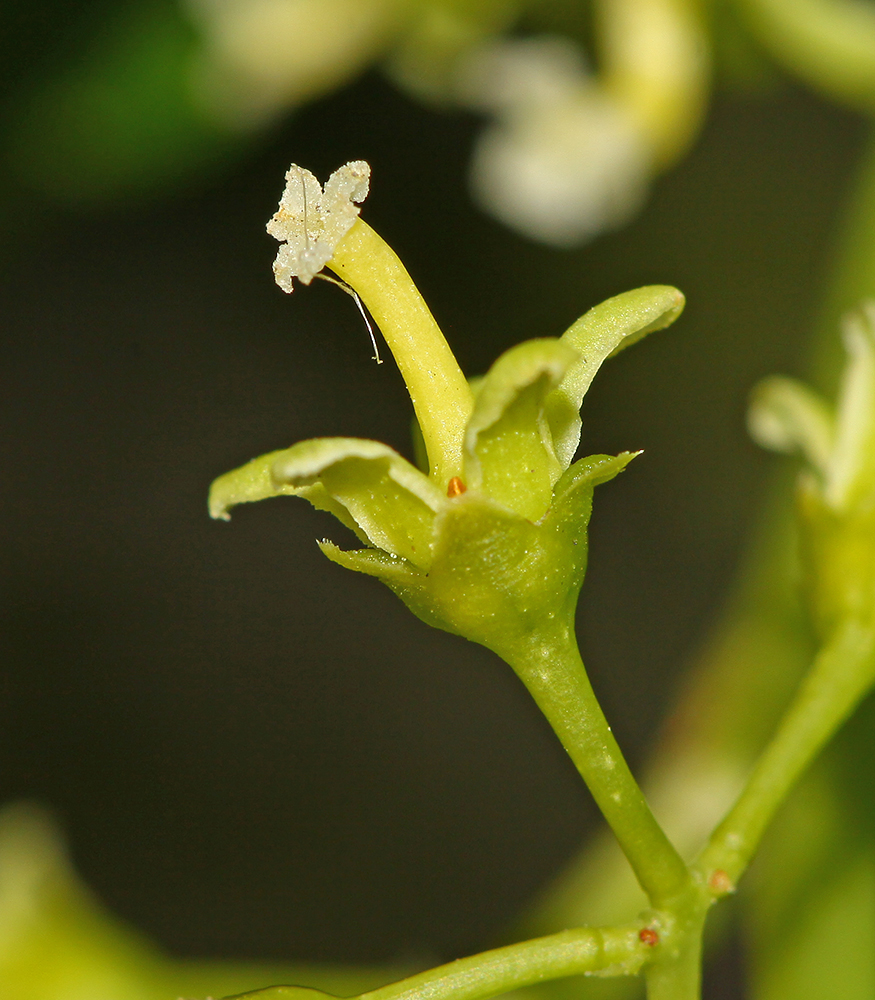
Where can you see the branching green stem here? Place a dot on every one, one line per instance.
(551, 668)
(607, 951)
(678, 976)
(616, 950)
(842, 673)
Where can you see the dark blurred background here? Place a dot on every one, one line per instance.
(254, 753)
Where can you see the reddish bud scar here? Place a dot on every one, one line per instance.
(455, 487)
(648, 936)
(720, 883)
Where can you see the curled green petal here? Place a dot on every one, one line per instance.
(509, 450)
(254, 481)
(599, 334)
(247, 484)
(392, 503)
(787, 416)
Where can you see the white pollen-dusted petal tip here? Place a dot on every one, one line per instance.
(310, 220)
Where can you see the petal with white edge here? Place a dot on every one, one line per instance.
(605, 330)
(509, 452)
(392, 503)
(254, 481)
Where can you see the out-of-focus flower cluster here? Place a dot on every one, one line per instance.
(566, 152)
(583, 104)
(837, 489)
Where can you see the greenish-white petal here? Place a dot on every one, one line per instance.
(247, 484)
(852, 464)
(509, 452)
(599, 334)
(786, 416)
(254, 481)
(392, 503)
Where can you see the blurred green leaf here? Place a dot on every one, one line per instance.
(117, 120)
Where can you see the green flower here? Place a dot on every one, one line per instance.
(837, 490)
(490, 542)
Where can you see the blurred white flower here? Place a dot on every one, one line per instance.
(566, 154)
(260, 57)
(563, 161)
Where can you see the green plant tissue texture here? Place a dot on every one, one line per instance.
(392, 517)
(497, 577)
(600, 333)
(509, 450)
(390, 502)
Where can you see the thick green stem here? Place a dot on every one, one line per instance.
(550, 666)
(606, 951)
(679, 976)
(842, 673)
(441, 395)
(569, 953)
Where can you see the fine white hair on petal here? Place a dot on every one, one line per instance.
(311, 221)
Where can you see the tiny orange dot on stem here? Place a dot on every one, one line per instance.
(455, 487)
(648, 936)
(720, 883)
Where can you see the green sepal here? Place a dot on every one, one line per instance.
(392, 503)
(495, 576)
(373, 562)
(599, 334)
(572, 501)
(509, 451)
